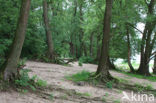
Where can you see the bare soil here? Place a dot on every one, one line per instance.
(61, 90)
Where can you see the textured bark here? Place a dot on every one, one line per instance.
(103, 66)
(146, 45)
(129, 52)
(9, 69)
(48, 31)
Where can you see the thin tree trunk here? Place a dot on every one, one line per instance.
(81, 50)
(146, 47)
(76, 53)
(48, 31)
(9, 69)
(129, 52)
(71, 48)
(73, 35)
(103, 67)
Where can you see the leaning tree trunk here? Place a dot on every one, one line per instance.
(146, 45)
(103, 67)
(129, 52)
(9, 69)
(48, 31)
(154, 68)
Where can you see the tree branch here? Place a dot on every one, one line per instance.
(135, 28)
(152, 56)
(154, 53)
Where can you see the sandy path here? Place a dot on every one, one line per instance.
(54, 75)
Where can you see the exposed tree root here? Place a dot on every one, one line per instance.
(71, 93)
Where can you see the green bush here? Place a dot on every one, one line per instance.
(21, 62)
(41, 83)
(80, 63)
(86, 60)
(2, 60)
(24, 81)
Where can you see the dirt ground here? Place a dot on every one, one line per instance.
(65, 91)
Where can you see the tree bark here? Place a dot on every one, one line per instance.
(103, 67)
(129, 52)
(146, 46)
(48, 31)
(9, 69)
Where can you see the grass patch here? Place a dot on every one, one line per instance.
(109, 84)
(141, 88)
(103, 99)
(121, 80)
(65, 97)
(81, 76)
(83, 94)
(51, 96)
(86, 76)
(117, 101)
(150, 78)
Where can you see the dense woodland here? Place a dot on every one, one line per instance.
(88, 31)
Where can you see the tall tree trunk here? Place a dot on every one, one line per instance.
(81, 50)
(103, 67)
(71, 48)
(146, 46)
(73, 34)
(9, 69)
(48, 31)
(129, 52)
(154, 68)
